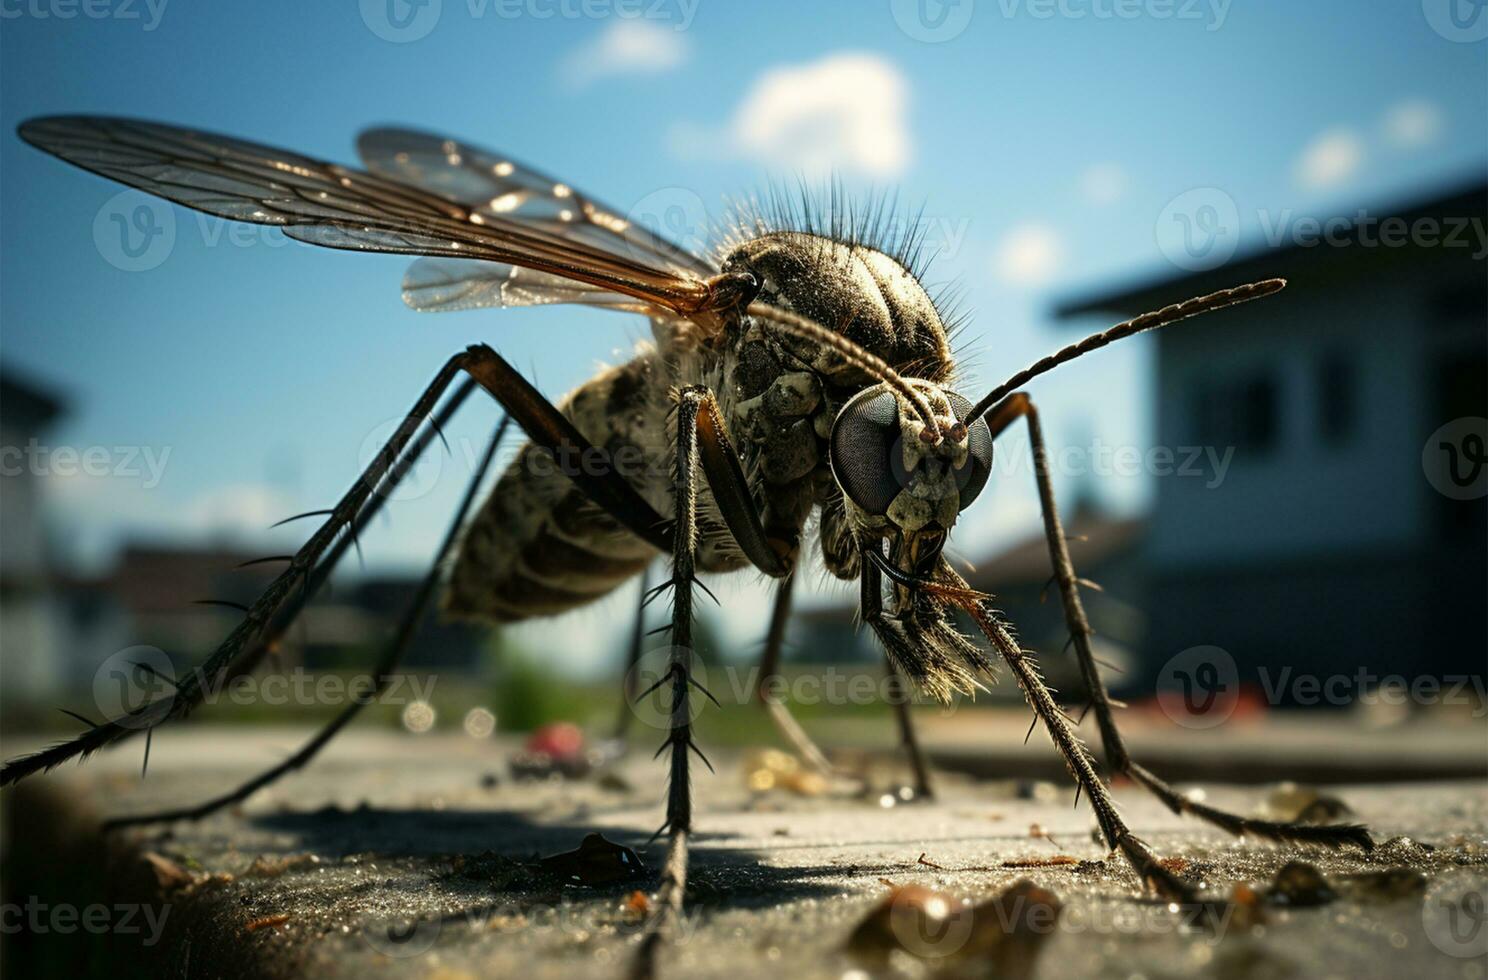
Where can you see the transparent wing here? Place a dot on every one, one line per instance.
(445, 285)
(499, 188)
(341, 207)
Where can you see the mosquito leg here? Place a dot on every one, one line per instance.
(779, 711)
(632, 657)
(890, 634)
(703, 453)
(679, 788)
(269, 615)
(1120, 762)
(382, 673)
(1077, 758)
(907, 737)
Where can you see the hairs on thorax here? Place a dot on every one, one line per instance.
(872, 219)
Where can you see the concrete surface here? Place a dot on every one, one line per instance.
(398, 856)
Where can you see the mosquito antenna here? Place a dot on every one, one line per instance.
(1147, 321)
(854, 354)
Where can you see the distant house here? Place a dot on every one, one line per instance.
(156, 587)
(60, 631)
(1325, 547)
(1107, 551)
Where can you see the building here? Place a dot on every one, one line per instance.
(156, 587)
(1326, 546)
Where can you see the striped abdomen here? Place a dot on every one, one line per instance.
(538, 547)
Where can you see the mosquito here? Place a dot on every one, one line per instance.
(798, 386)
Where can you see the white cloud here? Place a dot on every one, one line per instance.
(1103, 183)
(98, 513)
(1028, 254)
(241, 510)
(626, 47)
(1331, 158)
(843, 113)
(1412, 123)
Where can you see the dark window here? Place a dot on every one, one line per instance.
(1336, 399)
(1258, 424)
(1241, 412)
(1457, 379)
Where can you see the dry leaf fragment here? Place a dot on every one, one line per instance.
(267, 922)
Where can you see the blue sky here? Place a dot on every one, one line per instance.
(1046, 140)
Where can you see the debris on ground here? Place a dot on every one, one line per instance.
(266, 922)
(771, 769)
(637, 904)
(596, 861)
(910, 919)
(1008, 933)
(168, 874)
(1291, 803)
(171, 875)
(1301, 885)
(1001, 937)
(558, 750)
(1057, 861)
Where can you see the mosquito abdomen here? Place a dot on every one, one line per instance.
(538, 546)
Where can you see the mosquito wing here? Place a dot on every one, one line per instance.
(342, 207)
(446, 285)
(498, 187)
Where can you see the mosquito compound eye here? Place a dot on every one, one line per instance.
(864, 438)
(973, 476)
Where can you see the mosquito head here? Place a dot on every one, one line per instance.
(900, 480)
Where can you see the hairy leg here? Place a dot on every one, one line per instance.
(907, 737)
(1019, 405)
(1118, 836)
(382, 674)
(703, 454)
(270, 615)
(679, 788)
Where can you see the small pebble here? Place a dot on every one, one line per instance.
(1301, 885)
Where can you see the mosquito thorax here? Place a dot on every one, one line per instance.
(867, 295)
(784, 392)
